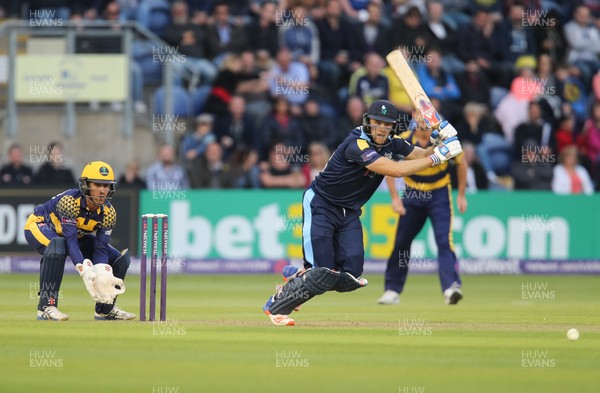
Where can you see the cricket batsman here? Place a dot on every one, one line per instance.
(427, 195)
(78, 223)
(332, 239)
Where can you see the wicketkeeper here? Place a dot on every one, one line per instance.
(78, 223)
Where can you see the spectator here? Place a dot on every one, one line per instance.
(352, 118)
(535, 129)
(223, 36)
(300, 35)
(244, 168)
(164, 174)
(512, 39)
(596, 86)
(474, 85)
(571, 89)
(280, 126)
(131, 178)
(476, 41)
(112, 14)
(410, 31)
(193, 145)
(549, 35)
(339, 54)
(289, 78)
(253, 87)
(584, 42)
(374, 84)
(569, 177)
(442, 36)
(238, 75)
(180, 23)
(513, 108)
(533, 170)
(373, 34)
(436, 82)
(548, 85)
(236, 129)
(224, 86)
(474, 123)
(262, 32)
(52, 171)
(477, 127)
(526, 85)
(278, 171)
(314, 126)
(15, 173)
(589, 141)
(565, 135)
(190, 40)
(318, 155)
(210, 171)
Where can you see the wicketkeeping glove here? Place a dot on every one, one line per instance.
(446, 131)
(86, 271)
(449, 148)
(106, 283)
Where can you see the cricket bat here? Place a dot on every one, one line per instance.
(413, 89)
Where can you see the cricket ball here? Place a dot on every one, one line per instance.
(573, 334)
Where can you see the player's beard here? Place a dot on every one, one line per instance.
(380, 139)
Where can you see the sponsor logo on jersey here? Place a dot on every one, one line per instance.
(366, 156)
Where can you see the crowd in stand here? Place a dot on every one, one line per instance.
(280, 84)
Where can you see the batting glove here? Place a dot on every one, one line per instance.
(449, 148)
(446, 131)
(86, 271)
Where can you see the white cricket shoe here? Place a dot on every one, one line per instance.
(389, 297)
(51, 313)
(116, 314)
(453, 294)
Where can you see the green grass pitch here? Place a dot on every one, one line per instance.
(507, 335)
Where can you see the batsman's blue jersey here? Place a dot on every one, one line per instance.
(67, 215)
(346, 181)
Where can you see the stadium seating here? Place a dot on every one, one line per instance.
(182, 103)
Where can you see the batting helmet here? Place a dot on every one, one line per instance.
(97, 172)
(382, 110)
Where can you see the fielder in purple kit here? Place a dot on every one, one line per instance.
(331, 206)
(78, 223)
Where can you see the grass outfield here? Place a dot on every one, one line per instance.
(219, 341)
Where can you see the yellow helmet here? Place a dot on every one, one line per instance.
(97, 172)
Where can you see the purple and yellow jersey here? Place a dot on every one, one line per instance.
(428, 179)
(346, 181)
(67, 214)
